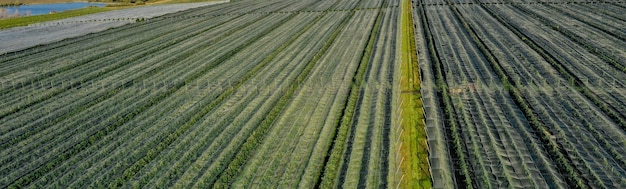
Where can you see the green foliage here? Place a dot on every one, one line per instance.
(11, 4)
(103, 124)
(257, 137)
(24, 21)
(332, 168)
(457, 146)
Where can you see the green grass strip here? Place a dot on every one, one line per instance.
(414, 149)
(24, 21)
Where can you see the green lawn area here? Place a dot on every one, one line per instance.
(24, 21)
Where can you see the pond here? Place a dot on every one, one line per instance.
(37, 9)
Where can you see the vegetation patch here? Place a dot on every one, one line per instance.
(24, 21)
(414, 149)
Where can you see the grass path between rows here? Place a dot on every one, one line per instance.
(413, 149)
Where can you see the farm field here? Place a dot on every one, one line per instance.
(523, 94)
(319, 94)
(247, 94)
